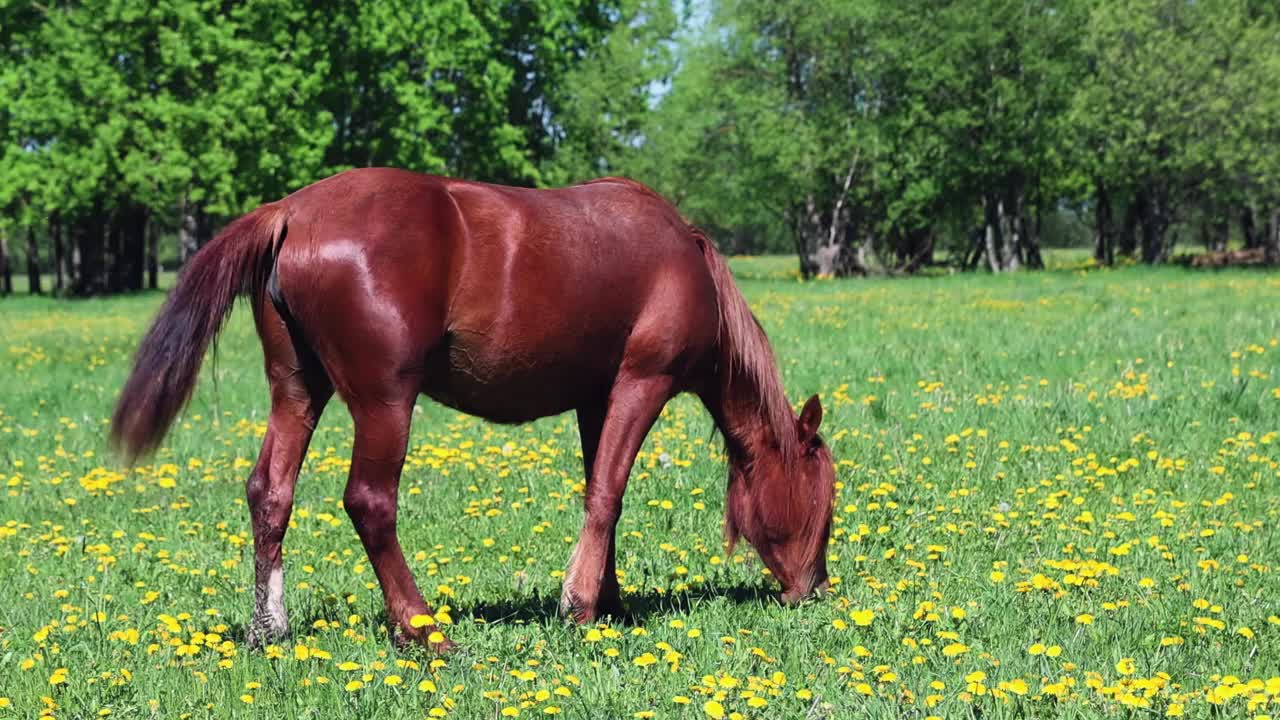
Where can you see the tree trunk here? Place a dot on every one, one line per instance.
(1220, 233)
(991, 235)
(1104, 249)
(1026, 235)
(91, 240)
(1272, 246)
(834, 256)
(134, 248)
(1007, 209)
(1031, 242)
(33, 263)
(153, 256)
(1214, 228)
(194, 230)
(73, 261)
(808, 235)
(826, 260)
(1155, 223)
(914, 249)
(865, 256)
(55, 245)
(114, 265)
(974, 254)
(801, 244)
(6, 273)
(1248, 228)
(812, 228)
(1128, 240)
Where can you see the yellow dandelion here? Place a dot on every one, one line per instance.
(862, 618)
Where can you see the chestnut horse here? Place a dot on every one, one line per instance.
(506, 303)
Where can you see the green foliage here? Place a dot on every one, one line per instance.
(182, 110)
(863, 135)
(608, 97)
(947, 118)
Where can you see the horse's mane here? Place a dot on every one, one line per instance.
(747, 353)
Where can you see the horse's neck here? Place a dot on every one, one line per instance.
(736, 402)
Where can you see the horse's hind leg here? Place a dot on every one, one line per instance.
(381, 438)
(299, 391)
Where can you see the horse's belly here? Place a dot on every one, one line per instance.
(511, 385)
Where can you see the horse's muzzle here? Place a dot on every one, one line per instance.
(796, 596)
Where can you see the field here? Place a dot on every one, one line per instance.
(1057, 497)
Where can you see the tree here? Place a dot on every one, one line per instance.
(1173, 116)
(866, 129)
(602, 123)
(128, 119)
(862, 135)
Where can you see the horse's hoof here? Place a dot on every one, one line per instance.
(578, 610)
(263, 633)
(581, 612)
(405, 639)
(574, 608)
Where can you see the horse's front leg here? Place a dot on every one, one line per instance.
(590, 424)
(591, 583)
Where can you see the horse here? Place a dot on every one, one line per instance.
(505, 303)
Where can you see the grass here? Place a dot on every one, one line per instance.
(1058, 497)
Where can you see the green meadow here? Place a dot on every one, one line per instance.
(1058, 497)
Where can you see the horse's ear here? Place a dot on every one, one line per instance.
(810, 419)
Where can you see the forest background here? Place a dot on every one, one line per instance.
(860, 136)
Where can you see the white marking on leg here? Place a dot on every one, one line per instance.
(275, 600)
(570, 579)
(269, 619)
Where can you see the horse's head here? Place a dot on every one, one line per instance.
(782, 506)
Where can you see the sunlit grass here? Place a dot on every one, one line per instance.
(1058, 498)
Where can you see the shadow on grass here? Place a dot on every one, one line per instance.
(639, 608)
(538, 609)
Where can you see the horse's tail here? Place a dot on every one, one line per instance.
(237, 261)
